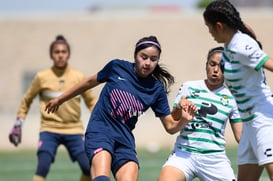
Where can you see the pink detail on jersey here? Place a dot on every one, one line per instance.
(125, 104)
(40, 143)
(83, 138)
(98, 150)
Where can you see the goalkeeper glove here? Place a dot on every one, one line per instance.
(15, 134)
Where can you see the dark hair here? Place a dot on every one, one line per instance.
(214, 50)
(160, 72)
(223, 11)
(59, 39)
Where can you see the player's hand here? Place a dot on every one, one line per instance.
(52, 106)
(15, 134)
(188, 109)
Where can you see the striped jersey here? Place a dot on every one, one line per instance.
(205, 133)
(244, 75)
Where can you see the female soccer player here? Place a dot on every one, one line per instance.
(199, 150)
(244, 62)
(64, 127)
(129, 90)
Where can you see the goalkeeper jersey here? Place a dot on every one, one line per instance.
(243, 60)
(49, 84)
(205, 133)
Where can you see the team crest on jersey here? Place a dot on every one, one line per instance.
(224, 100)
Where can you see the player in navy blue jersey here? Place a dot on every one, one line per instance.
(129, 90)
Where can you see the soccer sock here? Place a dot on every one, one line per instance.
(101, 178)
(85, 178)
(38, 178)
(83, 161)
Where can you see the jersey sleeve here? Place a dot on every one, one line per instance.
(161, 107)
(106, 71)
(89, 99)
(28, 97)
(234, 116)
(253, 55)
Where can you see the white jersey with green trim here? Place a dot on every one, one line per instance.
(205, 133)
(244, 75)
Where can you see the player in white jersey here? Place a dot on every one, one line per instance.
(243, 65)
(199, 150)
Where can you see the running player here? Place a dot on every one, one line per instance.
(129, 90)
(244, 62)
(199, 150)
(64, 127)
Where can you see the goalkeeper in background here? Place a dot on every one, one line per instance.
(64, 127)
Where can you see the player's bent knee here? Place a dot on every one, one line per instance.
(44, 161)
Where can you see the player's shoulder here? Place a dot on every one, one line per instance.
(44, 72)
(244, 44)
(120, 62)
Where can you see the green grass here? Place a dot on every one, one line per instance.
(21, 165)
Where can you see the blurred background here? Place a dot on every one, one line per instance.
(99, 31)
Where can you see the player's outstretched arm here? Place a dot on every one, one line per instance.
(79, 88)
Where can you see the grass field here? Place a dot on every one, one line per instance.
(20, 165)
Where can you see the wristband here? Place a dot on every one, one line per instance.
(177, 105)
(19, 121)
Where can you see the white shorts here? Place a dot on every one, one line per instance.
(256, 143)
(207, 167)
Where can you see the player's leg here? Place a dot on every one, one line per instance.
(249, 172)
(75, 146)
(44, 162)
(263, 144)
(101, 165)
(269, 169)
(256, 147)
(127, 172)
(99, 150)
(215, 166)
(169, 173)
(124, 163)
(48, 144)
(179, 167)
(85, 166)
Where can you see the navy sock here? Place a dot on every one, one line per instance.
(101, 178)
(83, 161)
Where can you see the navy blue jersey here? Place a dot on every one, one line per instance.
(125, 97)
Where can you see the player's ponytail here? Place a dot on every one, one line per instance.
(223, 11)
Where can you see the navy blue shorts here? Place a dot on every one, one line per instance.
(121, 154)
(49, 142)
